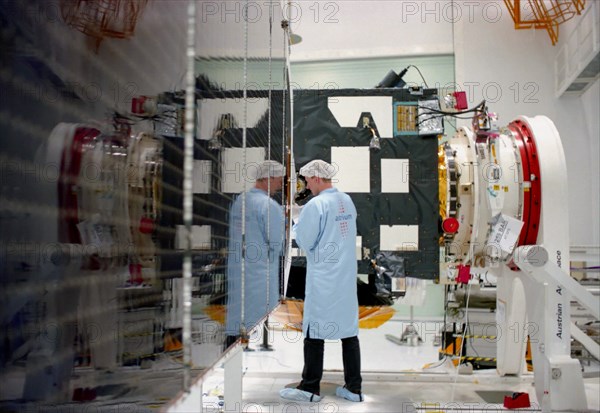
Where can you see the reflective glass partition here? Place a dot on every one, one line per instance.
(243, 121)
(92, 236)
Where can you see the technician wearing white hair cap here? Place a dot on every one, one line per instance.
(326, 231)
(266, 169)
(264, 244)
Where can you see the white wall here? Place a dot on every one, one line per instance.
(520, 64)
(220, 30)
(358, 29)
(438, 71)
(512, 69)
(589, 180)
(591, 113)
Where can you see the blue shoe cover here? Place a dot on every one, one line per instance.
(348, 395)
(299, 395)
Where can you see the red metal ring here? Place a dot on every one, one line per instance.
(532, 199)
(69, 179)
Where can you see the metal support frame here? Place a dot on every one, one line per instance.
(535, 302)
(409, 336)
(544, 14)
(558, 378)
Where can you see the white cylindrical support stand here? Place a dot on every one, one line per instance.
(410, 335)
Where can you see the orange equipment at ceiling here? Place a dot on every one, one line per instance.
(543, 14)
(102, 18)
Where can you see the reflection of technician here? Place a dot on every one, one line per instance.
(263, 247)
(326, 231)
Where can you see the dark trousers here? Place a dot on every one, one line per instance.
(313, 364)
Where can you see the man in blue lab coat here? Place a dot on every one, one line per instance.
(326, 231)
(264, 234)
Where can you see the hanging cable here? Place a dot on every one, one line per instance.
(269, 158)
(475, 109)
(424, 81)
(283, 130)
(188, 165)
(432, 113)
(462, 343)
(244, 161)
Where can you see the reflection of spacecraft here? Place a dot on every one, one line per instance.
(226, 121)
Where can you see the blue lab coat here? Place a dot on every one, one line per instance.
(326, 231)
(263, 249)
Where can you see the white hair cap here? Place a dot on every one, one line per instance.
(318, 168)
(266, 169)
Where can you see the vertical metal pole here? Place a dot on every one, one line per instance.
(268, 302)
(284, 137)
(188, 159)
(244, 145)
(265, 346)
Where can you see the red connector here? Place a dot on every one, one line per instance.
(464, 274)
(461, 100)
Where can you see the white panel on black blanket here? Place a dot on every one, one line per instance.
(399, 237)
(212, 113)
(202, 176)
(347, 110)
(352, 168)
(394, 175)
(237, 176)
